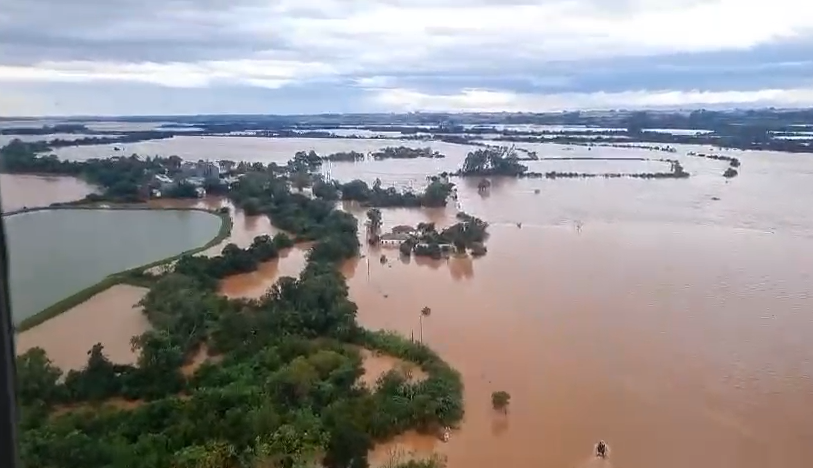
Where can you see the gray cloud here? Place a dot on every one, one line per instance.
(363, 48)
(129, 30)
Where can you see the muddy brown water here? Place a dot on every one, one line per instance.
(111, 318)
(20, 191)
(673, 324)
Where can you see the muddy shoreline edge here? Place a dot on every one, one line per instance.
(122, 276)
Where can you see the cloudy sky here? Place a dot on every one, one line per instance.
(116, 57)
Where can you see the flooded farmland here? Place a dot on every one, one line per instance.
(30, 191)
(676, 314)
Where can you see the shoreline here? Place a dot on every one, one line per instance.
(83, 295)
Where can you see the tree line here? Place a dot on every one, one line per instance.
(121, 178)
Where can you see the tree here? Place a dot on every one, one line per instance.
(300, 180)
(374, 218)
(251, 206)
(492, 160)
(282, 241)
(500, 401)
(436, 193)
(37, 378)
(325, 190)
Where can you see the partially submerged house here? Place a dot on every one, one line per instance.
(393, 239)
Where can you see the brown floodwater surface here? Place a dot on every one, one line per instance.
(20, 191)
(255, 284)
(110, 318)
(614, 333)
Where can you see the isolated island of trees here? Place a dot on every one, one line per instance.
(389, 152)
(490, 161)
(283, 389)
(468, 234)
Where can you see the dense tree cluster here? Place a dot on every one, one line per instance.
(492, 161)
(435, 194)
(403, 152)
(469, 232)
(304, 217)
(346, 156)
(283, 391)
(234, 260)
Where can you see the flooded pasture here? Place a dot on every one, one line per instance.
(111, 318)
(648, 313)
(30, 191)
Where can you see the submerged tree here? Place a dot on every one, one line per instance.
(500, 401)
(374, 216)
(493, 160)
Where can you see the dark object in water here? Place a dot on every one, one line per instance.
(601, 449)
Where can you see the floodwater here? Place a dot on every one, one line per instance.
(251, 149)
(667, 317)
(376, 365)
(645, 336)
(110, 318)
(55, 253)
(20, 191)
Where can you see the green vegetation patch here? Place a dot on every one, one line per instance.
(285, 389)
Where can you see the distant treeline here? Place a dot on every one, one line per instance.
(46, 130)
(390, 152)
(127, 137)
(747, 130)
